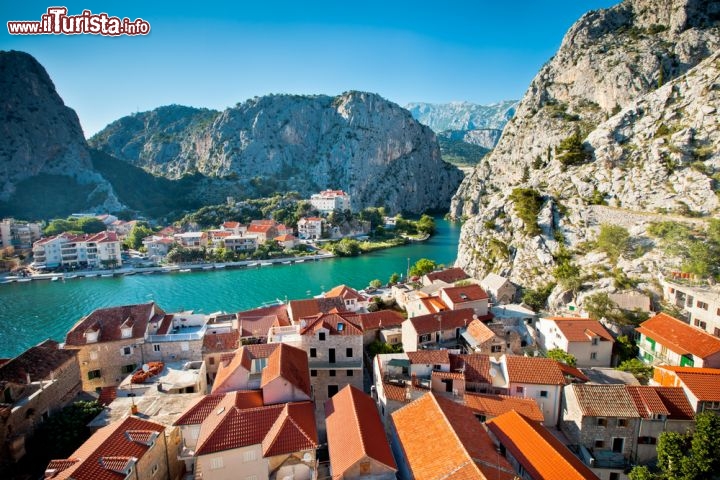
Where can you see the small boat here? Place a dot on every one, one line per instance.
(252, 264)
(287, 263)
(265, 264)
(54, 279)
(8, 281)
(24, 280)
(127, 274)
(184, 270)
(71, 276)
(106, 275)
(300, 261)
(91, 275)
(220, 265)
(148, 273)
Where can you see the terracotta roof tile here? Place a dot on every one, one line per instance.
(647, 401)
(56, 466)
(107, 451)
(379, 319)
(355, 431)
(293, 431)
(541, 455)
(449, 275)
(679, 337)
(298, 309)
(535, 370)
(676, 402)
(394, 392)
(467, 451)
(466, 293)
(704, 383)
(289, 363)
(242, 358)
(344, 292)
(281, 429)
(39, 362)
(480, 332)
(429, 357)
(433, 304)
(109, 321)
(199, 412)
(597, 400)
(495, 405)
(257, 322)
(448, 320)
(221, 342)
(581, 329)
(333, 322)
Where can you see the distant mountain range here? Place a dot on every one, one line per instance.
(175, 158)
(466, 131)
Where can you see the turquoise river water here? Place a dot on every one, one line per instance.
(31, 312)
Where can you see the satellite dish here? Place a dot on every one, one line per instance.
(306, 458)
(145, 367)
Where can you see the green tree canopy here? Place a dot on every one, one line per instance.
(422, 267)
(527, 203)
(613, 240)
(394, 278)
(137, 234)
(571, 151)
(562, 356)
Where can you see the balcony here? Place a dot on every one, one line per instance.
(178, 337)
(289, 334)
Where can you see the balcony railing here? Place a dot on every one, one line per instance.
(176, 337)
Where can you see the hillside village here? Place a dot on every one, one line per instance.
(351, 384)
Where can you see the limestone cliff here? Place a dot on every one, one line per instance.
(637, 84)
(358, 142)
(42, 137)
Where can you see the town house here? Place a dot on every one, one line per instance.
(585, 339)
(435, 330)
(666, 340)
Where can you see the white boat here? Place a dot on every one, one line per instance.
(287, 263)
(24, 280)
(220, 265)
(54, 279)
(252, 264)
(8, 281)
(106, 275)
(127, 274)
(265, 264)
(71, 276)
(184, 270)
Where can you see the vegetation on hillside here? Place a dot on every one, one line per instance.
(459, 152)
(699, 249)
(74, 225)
(528, 203)
(55, 200)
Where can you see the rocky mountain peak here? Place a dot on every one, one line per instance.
(621, 120)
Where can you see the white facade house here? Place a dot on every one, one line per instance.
(310, 228)
(701, 304)
(98, 250)
(328, 201)
(14, 233)
(586, 339)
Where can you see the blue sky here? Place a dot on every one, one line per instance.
(216, 54)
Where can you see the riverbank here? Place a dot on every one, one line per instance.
(179, 268)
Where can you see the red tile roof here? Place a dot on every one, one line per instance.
(38, 363)
(344, 292)
(196, 414)
(298, 309)
(281, 429)
(596, 400)
(447, 320)
(535, 370)
(647, 401)
(285, 238)
(539, 452)
(467, 451)
(108, 451)
(429, 357)
(242, 358)
(676, 402)
(355, 431)
(290, 364)
(394, 392)
(109, 320)
(703, 383)
(495, 405)
(257, 322)
(480, 332)
(466, 293)
(334, 323)
(379, 319)
(449, 275)
(231, 224)
(581, 329)
(220, 342)
(679, 337)
(433, 304)
(293, 431)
